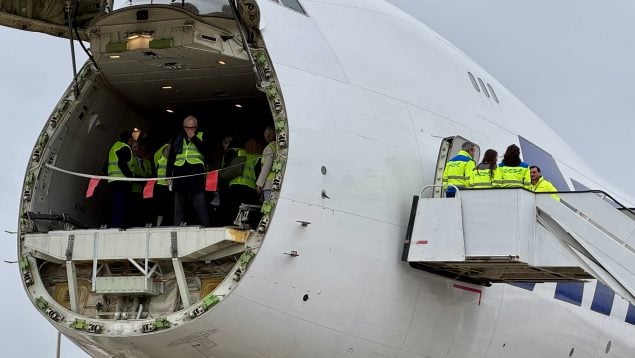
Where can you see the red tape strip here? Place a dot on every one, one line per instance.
(471, 289)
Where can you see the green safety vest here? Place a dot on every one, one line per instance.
(146, 172)
(189, 153)
(248, 176)
(482, 178)
(274, 150)
(545, 186)
(113, 161)
(161, 163)
(458, 171)
(513, 177)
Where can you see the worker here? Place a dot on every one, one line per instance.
(540, 184)
(483, 174)
(458, 170)
(186, 159)
(140, 209)
(265, 179)
(120, 165)
(162, 197)
(242, 189)
(512, 171)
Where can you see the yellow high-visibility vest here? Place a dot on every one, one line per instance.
(248, 176)
(545, 186)
(145, 172)
(113, 161)
(513, 177)
(189, 153)
(482, 178)
(161, 163)
(458, 171)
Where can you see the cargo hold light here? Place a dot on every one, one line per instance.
(139, 41)
(169, 111)
(166, 87)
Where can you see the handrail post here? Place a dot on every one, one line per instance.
(146, 259)
(95, 243)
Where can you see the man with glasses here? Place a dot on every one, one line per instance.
(186, 158)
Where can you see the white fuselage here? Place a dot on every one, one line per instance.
(369, 94)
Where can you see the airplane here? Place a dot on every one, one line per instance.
(346, 213)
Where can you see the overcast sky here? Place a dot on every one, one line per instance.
(571, 61)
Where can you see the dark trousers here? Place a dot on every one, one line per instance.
(120, 192)
(198, 204)
(135, 210)
(163, 202)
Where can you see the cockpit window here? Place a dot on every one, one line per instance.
(217, 8)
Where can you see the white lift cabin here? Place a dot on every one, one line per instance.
(514, 235)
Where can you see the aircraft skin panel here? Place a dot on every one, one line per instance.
(378, 62)
(369, 177)
(564, 327)
(612, 329)
(299, 42)
(378, 139)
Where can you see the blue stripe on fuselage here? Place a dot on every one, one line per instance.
(570, 292)
(602, 299)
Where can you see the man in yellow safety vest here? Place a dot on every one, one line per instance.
(540, 184)
(458, 170)
(186, 158)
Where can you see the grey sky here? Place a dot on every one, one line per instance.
(571, 61)
(35, 71)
